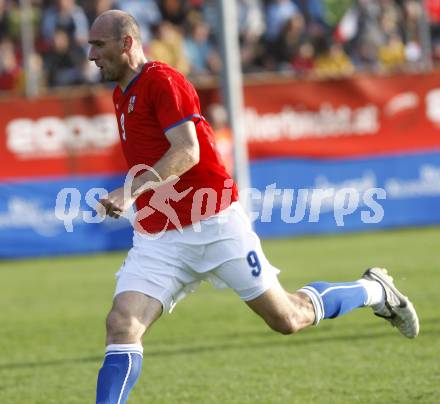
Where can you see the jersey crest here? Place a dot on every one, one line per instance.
(131, 104)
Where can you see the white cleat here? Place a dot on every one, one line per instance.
(398, 310)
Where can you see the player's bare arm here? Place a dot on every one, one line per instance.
(183, 154)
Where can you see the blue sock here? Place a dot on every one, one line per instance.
(119, 373)
(332, 300)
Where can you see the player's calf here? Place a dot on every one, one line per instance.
(132, 313)
(284, 324)
(284, 313)
(123, 328)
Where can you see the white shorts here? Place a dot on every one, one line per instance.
(222, 249)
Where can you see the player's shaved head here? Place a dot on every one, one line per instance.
(116, 46)
(119, 24)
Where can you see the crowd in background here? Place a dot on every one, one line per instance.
(320, 38)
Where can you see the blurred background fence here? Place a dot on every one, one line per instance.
(337, 94)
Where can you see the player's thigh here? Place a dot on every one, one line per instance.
(134, 309)
(249, 276)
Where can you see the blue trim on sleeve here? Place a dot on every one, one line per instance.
(184, 120)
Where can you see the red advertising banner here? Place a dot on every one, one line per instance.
(59, 136)
(358, 116)
(76, 134)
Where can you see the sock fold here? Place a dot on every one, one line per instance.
(118, 348)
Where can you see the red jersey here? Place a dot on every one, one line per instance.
(158, 99)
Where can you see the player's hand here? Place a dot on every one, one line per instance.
(115, 204)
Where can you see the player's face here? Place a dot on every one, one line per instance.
(106, 52)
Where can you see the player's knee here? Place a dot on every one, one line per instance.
(120, 325)
(285, 325)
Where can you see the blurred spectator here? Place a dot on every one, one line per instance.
(167, 46)
(93, 8)
(251, 22)
(412, 12)
(331, 61)
(303, 63)
(433, 14)
(202, 55)
(218, 118)
(390, 21)
(291, 37)
(436, 53)
(312, 10)
(209, 11)
(11, 74)
(64, 62)
(369, 35)
(365, 57)
(277, 13)
(14, 19)
(4, 20)
(65, 34)
(174, 11)
(251, 27)
(67, 16)
(392, 54)
(147, 14)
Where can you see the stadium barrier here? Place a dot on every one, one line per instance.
(326, 156)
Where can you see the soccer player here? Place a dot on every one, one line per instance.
(190, 226)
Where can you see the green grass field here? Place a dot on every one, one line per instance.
(212, 349)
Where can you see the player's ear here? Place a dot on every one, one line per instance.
(127, 43)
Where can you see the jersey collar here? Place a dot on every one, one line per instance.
(133, 80)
